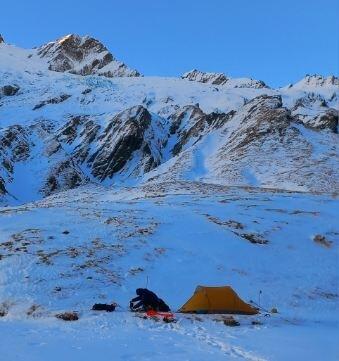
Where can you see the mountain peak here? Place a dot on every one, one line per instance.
(83, 55)
(68, 37)
(2, 40)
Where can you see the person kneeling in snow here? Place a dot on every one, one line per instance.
(147, 300)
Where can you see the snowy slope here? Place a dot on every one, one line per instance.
(102, 244)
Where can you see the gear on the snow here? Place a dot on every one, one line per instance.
(104, 307)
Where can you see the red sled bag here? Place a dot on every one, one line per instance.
(165, 316)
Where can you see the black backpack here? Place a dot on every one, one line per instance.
(104, 307)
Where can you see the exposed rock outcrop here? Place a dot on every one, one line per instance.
(82, 131)
(262, 116)
(2, 187)
(56, 100)
(124, 135)
(14, 145)
(326, 120)
(9, 90)
(63, 176)
(190, 124)
(309, 100)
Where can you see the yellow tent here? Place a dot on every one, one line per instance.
(217, 300)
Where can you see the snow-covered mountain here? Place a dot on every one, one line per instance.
(70, 114)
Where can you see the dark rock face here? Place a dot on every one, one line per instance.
(190, 122)
(127, 142)
(9, 90)
(83, 56)
(69, 132)
(217, 120)
(192, 113)
(2, 187)
(61, 98)
(123, 136)
(264, 115)
(86, 91)
(83, 130)
(326, 120)
(63, 176)
(14, 145)
(309, 100)
(264, 101)
(2, 40)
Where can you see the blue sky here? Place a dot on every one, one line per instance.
(278, 41)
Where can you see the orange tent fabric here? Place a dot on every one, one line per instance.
(217, 300)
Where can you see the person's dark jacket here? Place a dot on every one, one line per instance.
(148, 300)
(162, 307)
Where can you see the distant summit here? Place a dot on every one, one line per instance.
(2, 40)
(222, 79)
